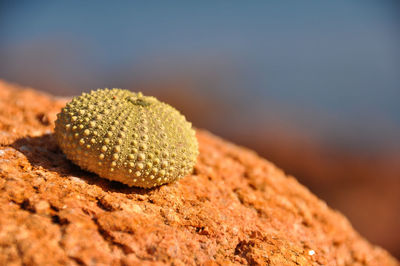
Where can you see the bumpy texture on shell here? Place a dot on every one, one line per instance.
(127, 137)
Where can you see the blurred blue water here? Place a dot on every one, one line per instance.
(328, 67)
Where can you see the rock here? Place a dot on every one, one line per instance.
(236, 208)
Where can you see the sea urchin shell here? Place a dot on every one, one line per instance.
(127, 137)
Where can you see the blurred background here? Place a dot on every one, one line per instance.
(313, 86)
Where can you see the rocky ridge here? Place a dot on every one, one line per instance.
(236, 208)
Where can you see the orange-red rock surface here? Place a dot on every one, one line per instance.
(236, 208)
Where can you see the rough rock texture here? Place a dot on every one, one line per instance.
(236, 208)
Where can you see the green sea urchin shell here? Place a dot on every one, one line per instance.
(127, 137)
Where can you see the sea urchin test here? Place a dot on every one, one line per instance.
(127, 137)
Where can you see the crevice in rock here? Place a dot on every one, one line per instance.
(78, 261)
(243, 248)
(60, 221)
(25, 205)
(260, 213)
(109, 239)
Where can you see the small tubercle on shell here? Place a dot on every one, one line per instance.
(127, 137)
